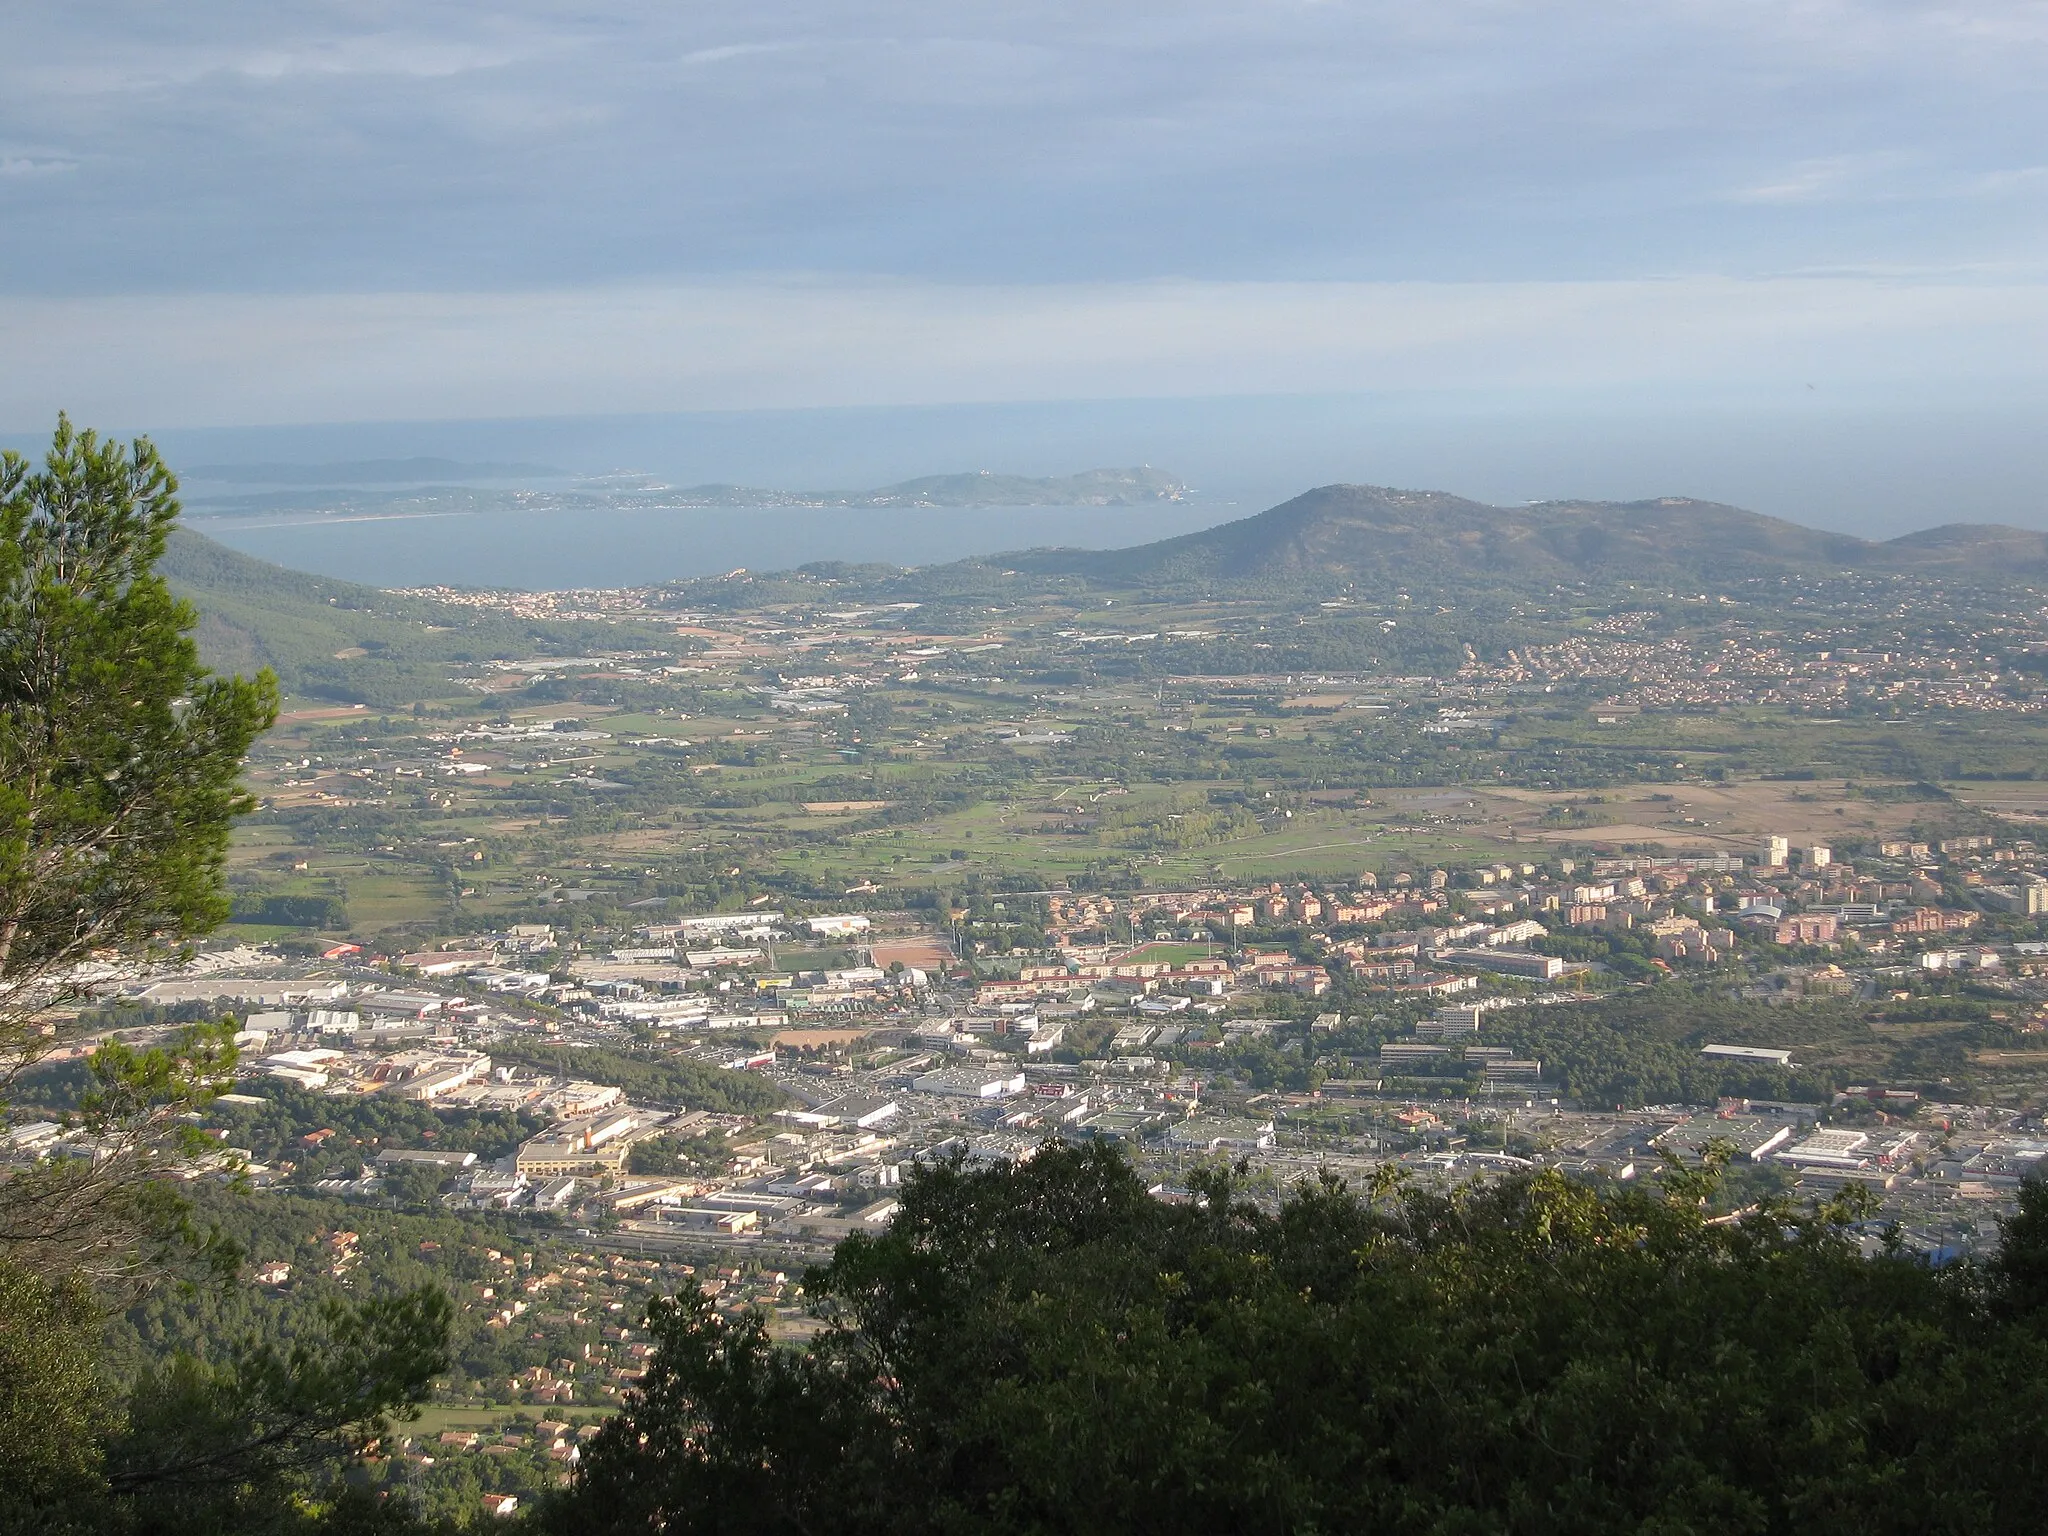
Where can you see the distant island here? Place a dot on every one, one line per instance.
(1090, 488)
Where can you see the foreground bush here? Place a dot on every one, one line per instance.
(1047, 1348)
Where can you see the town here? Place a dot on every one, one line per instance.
(1396, 1009)
(576, 977)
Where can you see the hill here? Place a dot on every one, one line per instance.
(1380, 536)
(338, 640)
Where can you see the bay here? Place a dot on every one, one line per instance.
(556, 549)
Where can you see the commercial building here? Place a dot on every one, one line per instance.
(2030, 898)
(842, 926)
(584, 1149)
(971, 1083)
(556, 1156)
(1221, 1133)
(403, 1157)
(1451, 1020)
(1509, 962)
(1760, 1055)
(251, 994)
(1396, 1054)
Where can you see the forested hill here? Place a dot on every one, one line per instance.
(357, 644)
(1385, 538)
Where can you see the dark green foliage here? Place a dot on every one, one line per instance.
(397, 1252)
(278, 1129)
(397, 649)
(327, 912)
(119, 755)
(1381, 539)
(221, 1443)
(226, 1426)
(653, 1077)
(1046, 1348)
(114, 1219)
(52, 1405)
(120, 762)
(678, 1154)
(1643, 1046)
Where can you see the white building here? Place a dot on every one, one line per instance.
(842, 926)
(971, 1083)
(1221, 1133)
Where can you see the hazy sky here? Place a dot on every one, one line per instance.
(252, 211)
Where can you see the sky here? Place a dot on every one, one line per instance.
(1628, 245)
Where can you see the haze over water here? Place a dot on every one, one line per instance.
(615, 547)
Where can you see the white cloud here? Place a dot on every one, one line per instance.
(188, 361)
(727, 51)
(437, 144)
(1831, 178)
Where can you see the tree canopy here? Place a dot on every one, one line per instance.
(120, 755)
(120, 779)
(1047, 1347)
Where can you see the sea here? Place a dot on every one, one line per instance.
(557, 549)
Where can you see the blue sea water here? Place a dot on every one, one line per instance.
(547, 550)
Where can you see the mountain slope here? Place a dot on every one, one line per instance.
(1380, 536)
(339, 640)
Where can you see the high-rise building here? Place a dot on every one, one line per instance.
(1818, 856)
(1776, 852)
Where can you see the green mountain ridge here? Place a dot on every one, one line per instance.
(357, 644)
(1386, 536)
(342, 640)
